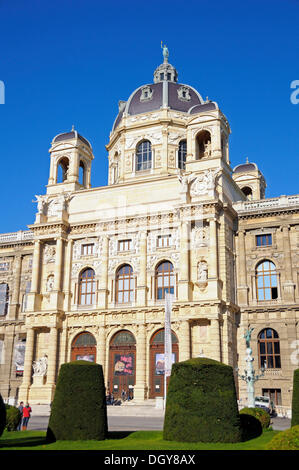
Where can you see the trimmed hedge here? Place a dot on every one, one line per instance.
(260, 414)
(79, 411)
(285, 440)
(2, 415)
(202, 403)
(13, 417)
(251, 427)
(295, 399)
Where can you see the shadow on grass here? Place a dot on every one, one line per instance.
(33, 441)
(23, 441)
(118, 434)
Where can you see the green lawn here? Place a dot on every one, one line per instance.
(140, 440)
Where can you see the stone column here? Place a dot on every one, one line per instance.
(242, 274)
(288, 285)
(58, 264)
(103, 288)
(213, 251)
(101, 347)
(184, 262)
(142, 278)
(52, 356)
(215, 340)
(214, 288)
(36, 267)
(14, 305)
(140, 386)
(67, 274)
(184, 341)
(27, 374)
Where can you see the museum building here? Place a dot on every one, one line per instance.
(88, 279)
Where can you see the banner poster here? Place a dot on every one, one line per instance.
(167, 336)
(86, 357)
(20, 357)
(123, 364)
(160, 363)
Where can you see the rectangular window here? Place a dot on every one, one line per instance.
(87, 249)
(4, 266)
(163, 241)
(274, 394)
(124, 245)
(264, 240)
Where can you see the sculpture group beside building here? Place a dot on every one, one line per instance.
(88, 279)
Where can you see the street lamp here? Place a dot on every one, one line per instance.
(249, 375)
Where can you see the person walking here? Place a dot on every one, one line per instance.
(26, 415)
(20, 408)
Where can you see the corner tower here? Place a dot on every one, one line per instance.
(71, 156)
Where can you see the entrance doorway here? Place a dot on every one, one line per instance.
(122, 364)
(157, 362)
(84, 348)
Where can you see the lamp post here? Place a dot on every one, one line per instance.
(249, 375)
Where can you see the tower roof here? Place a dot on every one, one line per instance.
(73, 134)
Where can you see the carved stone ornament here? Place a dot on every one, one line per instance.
(50, 252)
(204, 183)
(40, 366)
(202, 272)
(184, 93)
(199, 236)
(50, 283)
(59, 204)
(146, 93)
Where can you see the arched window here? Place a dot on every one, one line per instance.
(125, 284)
(144, 156)
(269, 349)
(84, 347)
(164, 278)
(82, 173)
(266, 281)
(4, 298)
(62, 170)
(247, 191)
(87, 287)
(182, 153)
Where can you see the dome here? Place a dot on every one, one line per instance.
(165, 92)
(245, 167)
(73, 134)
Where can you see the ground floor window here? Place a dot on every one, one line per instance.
(157, 362)
(84, 348)
(274, 394)
(122, 364)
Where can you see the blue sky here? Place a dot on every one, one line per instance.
(70, 62)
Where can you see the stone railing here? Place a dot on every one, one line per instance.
(16, 236)
(265, 204)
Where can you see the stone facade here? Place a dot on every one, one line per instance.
(161, 205)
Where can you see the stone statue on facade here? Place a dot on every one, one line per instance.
(41, 204)
(40, 366)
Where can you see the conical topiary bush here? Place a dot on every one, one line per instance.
(295, 399)
(79, 409)
(2, 415)
(202, 403)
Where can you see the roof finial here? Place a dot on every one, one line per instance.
(73, 127)
(165, 52)
(247, 160)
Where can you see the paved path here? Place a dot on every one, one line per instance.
(138, 423)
